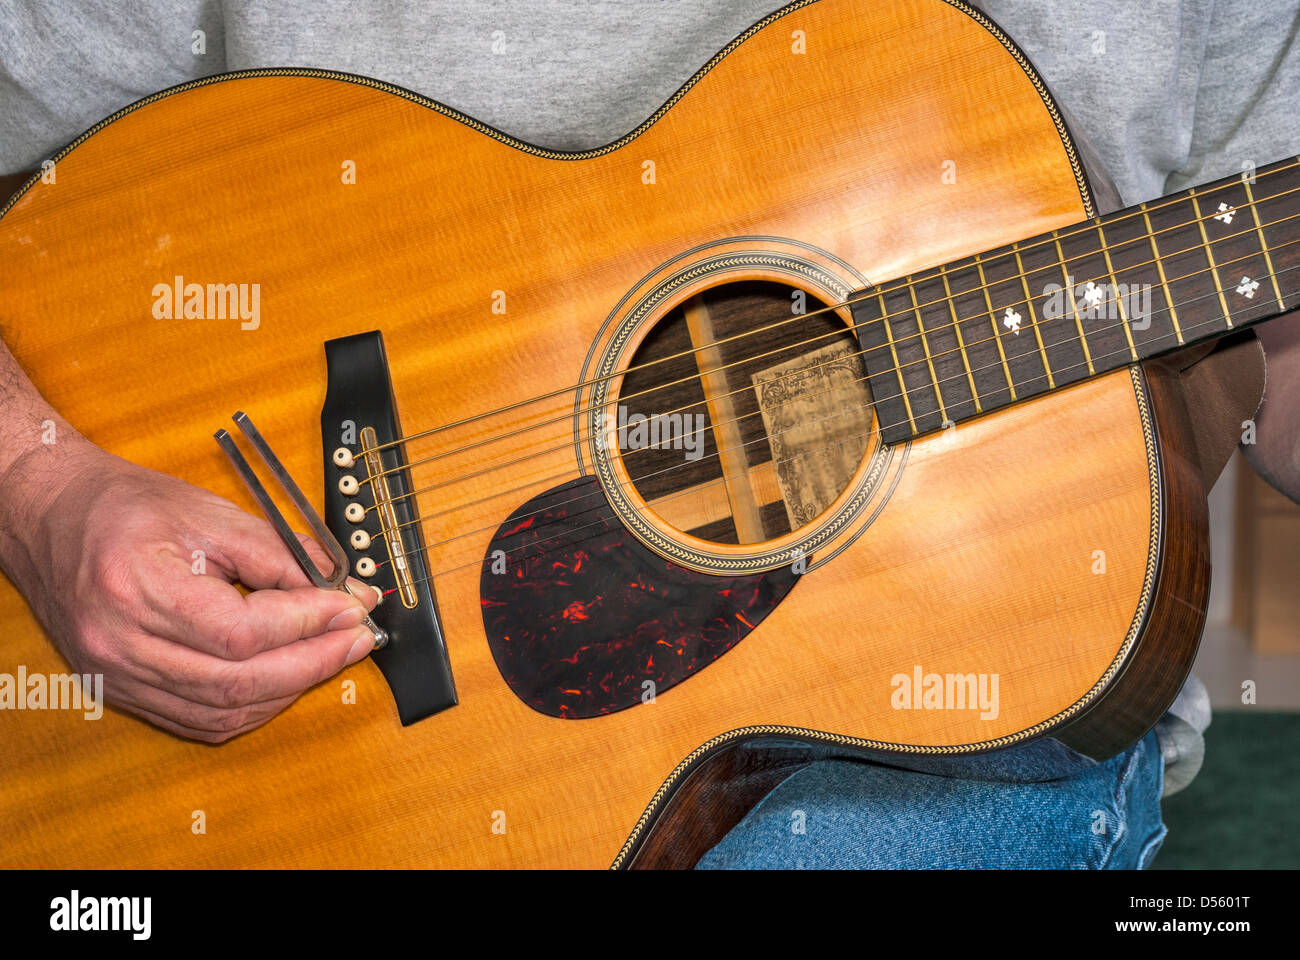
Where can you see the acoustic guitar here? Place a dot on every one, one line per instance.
(822, 411)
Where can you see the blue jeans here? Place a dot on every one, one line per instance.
(998, 811)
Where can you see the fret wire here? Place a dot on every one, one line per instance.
(1209, 255)
(1074, 307)
(1118, 353)
(1160, 268)
(1184, 302)
(984, 286)
(925, 345)
(961, 341)
(1033, 320)
(1119, 301)
(1263, 243)
(1190, 299)
(898, 367)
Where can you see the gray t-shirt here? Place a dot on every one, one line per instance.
(1170, 93)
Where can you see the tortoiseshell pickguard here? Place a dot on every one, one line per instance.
(580, 614)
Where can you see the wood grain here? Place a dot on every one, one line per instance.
(978, 562)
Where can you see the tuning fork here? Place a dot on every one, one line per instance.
(338, 577)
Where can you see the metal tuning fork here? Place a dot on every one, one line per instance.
(338, 577)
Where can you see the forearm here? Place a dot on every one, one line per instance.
(39, 451)
(1275, 454)
(37, 446)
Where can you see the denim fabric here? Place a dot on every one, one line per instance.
(853, 814)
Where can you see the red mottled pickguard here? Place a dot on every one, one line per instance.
(580, 614)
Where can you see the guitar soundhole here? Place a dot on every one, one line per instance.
(755, 435)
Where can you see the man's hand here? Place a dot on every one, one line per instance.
(131, 573)
(1275, 454)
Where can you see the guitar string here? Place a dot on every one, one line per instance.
(897, 370)
(880, 292)
(909, 313)
(640, 479)
(690, 491)
(908, 282)
(564, 536)
(695, 489)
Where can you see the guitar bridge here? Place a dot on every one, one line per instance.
(368, 486)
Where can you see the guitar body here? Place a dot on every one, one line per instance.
(1060, 544)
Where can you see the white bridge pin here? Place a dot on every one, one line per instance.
(343, 458)
(360, 539)
(355, 512)
(348, 485)
(366, 567)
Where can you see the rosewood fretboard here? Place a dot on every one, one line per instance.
(986, 331)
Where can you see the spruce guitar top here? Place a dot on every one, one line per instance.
(825, 409)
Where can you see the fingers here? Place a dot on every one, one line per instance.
(177, 641)
(216, 662)
(281, 672)
(250, 551)
(211, 615)
(197, 721)
(299, 666)
(220, 735)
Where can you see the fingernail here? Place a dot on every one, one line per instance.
(348, 618)
(359, 590)
(365, 642)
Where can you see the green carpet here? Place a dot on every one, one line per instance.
(1243, 809)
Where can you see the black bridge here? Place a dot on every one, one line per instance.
(359, 394)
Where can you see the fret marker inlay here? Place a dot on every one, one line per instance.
(1092, 295)
(1225, 213)
(1247, 287)
(1011, 320)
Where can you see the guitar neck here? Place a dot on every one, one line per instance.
(1042, 313)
